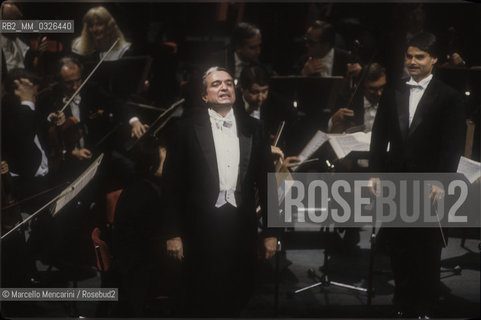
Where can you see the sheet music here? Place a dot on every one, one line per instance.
(345, 143)
(315, 143)
(73, 189)
(470, 168)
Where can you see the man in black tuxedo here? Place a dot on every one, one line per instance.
(364, 104)
(244, 51)
(256, 100)
(215, 161)
(322, 58)
(70, 73)
(24, 148)
(24, 131)
(423, 122)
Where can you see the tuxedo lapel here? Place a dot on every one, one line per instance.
(203, 131)
(402, 103)
(426, 100)
(245, 146)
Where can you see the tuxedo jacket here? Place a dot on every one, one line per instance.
(273, 111)
(93, 98)
(191, 174)
(435, 140)
(20, 124)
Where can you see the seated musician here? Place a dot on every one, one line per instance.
(364, 103)
(247, 42)
(99, 33)
(135, 232)
(24, 148)
(94, 110)
(322, 58)
(15, 52)
(258, 102)
(25, 143)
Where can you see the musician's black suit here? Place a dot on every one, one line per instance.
(433, 143)
(20, 125)
(273, 111)
(219, 243)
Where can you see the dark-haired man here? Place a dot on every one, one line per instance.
(260, 103)
(322, 58)
(364, 104)
(24, 148)
(423, 122)
(247, 44)
(217, 158)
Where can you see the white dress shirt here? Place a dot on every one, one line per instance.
(227, 152)
(14, 52)
(239, 65)
(254, 113)
(75, 110)
(369, 114)
(416, 91)
(43, 168)
(327, 63)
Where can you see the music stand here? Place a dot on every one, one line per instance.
(323, 279)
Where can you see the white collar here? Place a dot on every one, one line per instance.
(217, 116)
(368, 104)
(423, 83)
(238, 61)
(329, 56)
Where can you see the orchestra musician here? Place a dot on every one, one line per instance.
(247, 43)
(25, 151)
(245, 50)
(93, 111)
(15, 52)
(364, 103)
(258, 102)
(26, 148)
(215, 159)
(322, 57)
(99, 32)
(423, 121)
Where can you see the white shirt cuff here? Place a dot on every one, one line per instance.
(133, 119)
(30, 104)
(329, 125)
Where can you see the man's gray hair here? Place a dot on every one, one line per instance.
(206, 74)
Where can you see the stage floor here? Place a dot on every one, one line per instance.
(460, 292)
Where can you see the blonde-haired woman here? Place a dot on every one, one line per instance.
(98, 34)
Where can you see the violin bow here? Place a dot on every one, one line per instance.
(90, 75)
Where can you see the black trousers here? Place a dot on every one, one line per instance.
(220, 264)
(416, 262)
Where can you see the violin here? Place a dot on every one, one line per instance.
(65, 137)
